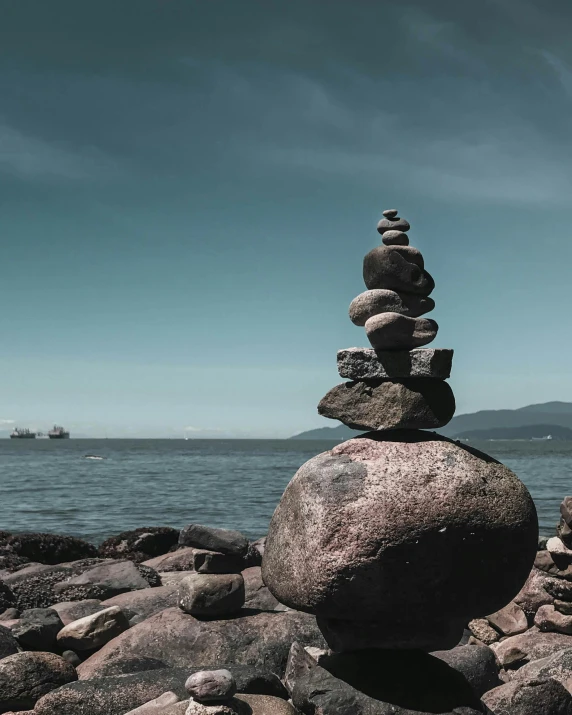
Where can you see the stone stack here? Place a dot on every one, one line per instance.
(396, 383)
(396, 539)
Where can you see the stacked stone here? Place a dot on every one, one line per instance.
(396, 539)
(396, 383)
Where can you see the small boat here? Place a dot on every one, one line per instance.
(92, 456)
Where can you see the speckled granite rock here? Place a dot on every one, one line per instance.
(370, 364)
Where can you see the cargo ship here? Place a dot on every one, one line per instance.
(19, 433)
(58, 432)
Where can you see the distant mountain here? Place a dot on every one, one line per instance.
(526, 432)
(554, 414)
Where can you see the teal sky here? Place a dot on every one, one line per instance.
(188, 188)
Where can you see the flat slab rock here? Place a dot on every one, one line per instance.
(369, 364)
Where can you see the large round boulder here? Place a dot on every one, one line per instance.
(397, 539)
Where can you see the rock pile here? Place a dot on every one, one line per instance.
(394, 384)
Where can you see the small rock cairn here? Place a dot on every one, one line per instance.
(394, 384)
(397, 538)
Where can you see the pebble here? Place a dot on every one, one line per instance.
(390, 213)
(399, 224)
(395, 238)
(211, 594)
(392, 331)
(209, 685)
(382, 300)
(369, 364)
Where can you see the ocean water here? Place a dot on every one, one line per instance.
(50, 485)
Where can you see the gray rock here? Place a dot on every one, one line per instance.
(565, 533)
(72, 658)
(548, 619)
(93, 631)
(534, 697)
(412, 403)
(390, 214)
(37, 629)
(401, 508)
(211, 685)
(395, 238)
(140, 544)
(483, 631)
(10, 614)
(399, 224)
(70, 611)
(510, 620)
(392, 331)
(211, 594)
(257, 594)
(533, 594)
(267, 705)
(477, 663)
(145, 602)
(557, 666)
(384, 683)
(157, 705)
(7, 597)
(8, 644)
(299, 663)
(207, 537)
(108, 579)
(531, 645)
(46, 548)
(397, 268)
(373, 302)
(188, 558)
(26, 677)
(260, 639)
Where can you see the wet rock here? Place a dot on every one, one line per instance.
(392, 331)
(188, 558)
(374, 302)
(476, 663)
(212, 594)
(206, 537)
(157, 705)
(368, 364)
(392, 224)
(548, 619)
(140, 544)
(384, 683)
(397, 268)
(8, 644)
(145, 602)
(70, 611)
(257, 595)
(510, 620)
(261, 639)
(105, 580)
(366, 526)
(531, 645)
(483, 631)
(93, 631)
(26, 677)
(47, 548)
(529, 698)
(409, 403)
(395, 238)
(211, 685)
(37, 629)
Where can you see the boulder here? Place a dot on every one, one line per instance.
(211, 685)
(209, 538)
(140, 544)
(549, 619)
(534, 697)
(211, 594)
(397, 268)
(557, 666)
(257, 594)
(510, 620)
(93, 631)
(412, 403)
(188, 558)
(145, 602)
(384, 683)
(103, 581)
(392, 331)
(26, 677)
(369, 364)
(70, 611)
(353, 539)
(46, 548)
(8, 644)
(373, 302)
(38, 628)
(260, 639)
(531, 645)
(477, 664)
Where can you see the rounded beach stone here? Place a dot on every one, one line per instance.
(402, 528)
(395, 238)
(414, 403)
(25, 677)
(397, 224)
(390, 213)
(207, 685)
(211, 594)
(392, 331)
(93, 631)
(226, 541)
(398, 268)
(381, 300)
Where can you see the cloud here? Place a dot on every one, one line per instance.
(6, 425)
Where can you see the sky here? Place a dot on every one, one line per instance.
(188, 188)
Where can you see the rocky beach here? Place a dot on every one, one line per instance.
(402, 572)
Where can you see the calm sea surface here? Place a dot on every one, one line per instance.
(50, 486)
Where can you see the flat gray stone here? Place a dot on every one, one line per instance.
(381, 300)
(368, 364)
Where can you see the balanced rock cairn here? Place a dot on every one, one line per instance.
(394, 384)
(397, 538)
